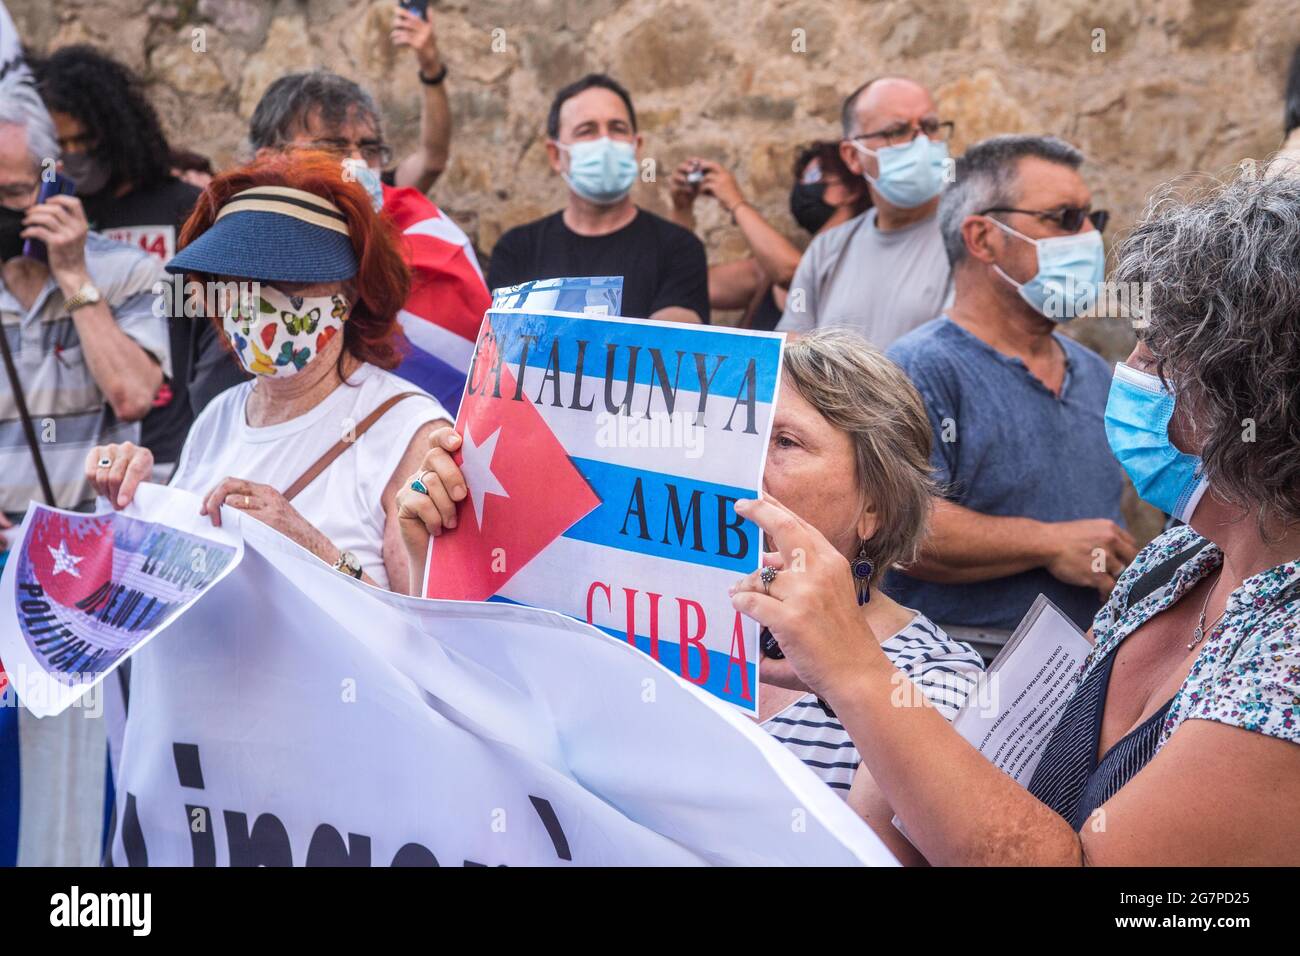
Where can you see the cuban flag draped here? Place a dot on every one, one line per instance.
(447, 300)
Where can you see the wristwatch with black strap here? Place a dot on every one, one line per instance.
(436, 78)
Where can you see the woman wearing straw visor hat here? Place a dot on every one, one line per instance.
(318, 444)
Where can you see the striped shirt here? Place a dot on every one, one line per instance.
(68, 409)
(944, 670)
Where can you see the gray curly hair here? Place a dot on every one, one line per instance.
(1222, 313)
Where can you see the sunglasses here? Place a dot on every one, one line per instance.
(1069, 218)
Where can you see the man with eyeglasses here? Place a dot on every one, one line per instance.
(1029, 493)
(321, 111)
(884, 272)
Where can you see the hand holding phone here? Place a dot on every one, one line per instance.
(60, 185)
(412, 28)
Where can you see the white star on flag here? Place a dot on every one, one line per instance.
(476, 466)
(64, 560)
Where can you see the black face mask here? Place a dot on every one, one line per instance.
(11, 225)
(809, 207)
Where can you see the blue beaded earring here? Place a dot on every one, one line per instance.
(862, 571)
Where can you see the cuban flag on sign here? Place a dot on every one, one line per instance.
(447, 300)
(604, 458)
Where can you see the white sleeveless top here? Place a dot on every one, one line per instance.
(344, 501)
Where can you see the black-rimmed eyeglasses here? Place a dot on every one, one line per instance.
(1069, 218)
(899, 133)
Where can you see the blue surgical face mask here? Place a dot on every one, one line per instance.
(1137, 428)
(910, 174)
(600, 170)
(369, 180)
(1069, 276)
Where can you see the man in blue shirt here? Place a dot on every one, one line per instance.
(1029, 494)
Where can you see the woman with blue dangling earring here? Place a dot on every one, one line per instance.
(850, 454)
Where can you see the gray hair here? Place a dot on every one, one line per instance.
(288, 100)
(1221, 303)
(859, 391)
(20, 105)
(985, 178)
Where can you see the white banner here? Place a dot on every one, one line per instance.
(292, 715)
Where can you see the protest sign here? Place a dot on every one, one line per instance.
(293, 715)
(589, 295)
(83, 592)
(604, 458)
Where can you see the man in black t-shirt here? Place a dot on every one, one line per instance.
(593, 145)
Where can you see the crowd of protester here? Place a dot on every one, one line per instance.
(942, 452)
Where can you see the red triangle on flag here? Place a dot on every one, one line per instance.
(524, 491)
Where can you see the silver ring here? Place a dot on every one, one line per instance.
(105, 462)
(767, 574)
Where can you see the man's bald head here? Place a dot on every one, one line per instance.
(882, 101)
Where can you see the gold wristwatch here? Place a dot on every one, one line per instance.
(88, 294)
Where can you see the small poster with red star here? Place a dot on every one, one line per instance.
(82, 592)
(603, 459)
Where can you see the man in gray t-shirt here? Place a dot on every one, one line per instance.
(885, 272)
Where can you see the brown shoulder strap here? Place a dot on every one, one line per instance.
(343, 444)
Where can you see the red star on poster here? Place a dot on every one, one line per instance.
(71, 562)
(524, 492)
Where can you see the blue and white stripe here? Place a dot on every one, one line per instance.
(946, 671)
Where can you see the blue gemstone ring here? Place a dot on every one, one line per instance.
(419, 487)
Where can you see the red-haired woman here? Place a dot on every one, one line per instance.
(319, 334)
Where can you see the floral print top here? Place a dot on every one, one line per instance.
(1248, 672)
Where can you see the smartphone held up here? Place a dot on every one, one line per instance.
(59, 185)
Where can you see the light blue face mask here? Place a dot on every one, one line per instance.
(369, 180)
(1070, 272)
(1137, 428)
(910, 174)
(600, 170)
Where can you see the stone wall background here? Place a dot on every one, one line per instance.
(1168, 86)
(1181, 85)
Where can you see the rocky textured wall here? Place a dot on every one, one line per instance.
(1166, 86)
(1149, 89)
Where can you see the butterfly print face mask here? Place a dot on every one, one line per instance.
(276, 334)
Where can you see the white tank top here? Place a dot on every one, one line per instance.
(344, 501)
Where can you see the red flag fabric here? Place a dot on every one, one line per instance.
(524, 490)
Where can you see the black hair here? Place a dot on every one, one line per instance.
(187, 160)
(588, 82)
(827, 154)
(108, 99)
(1291, 118)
